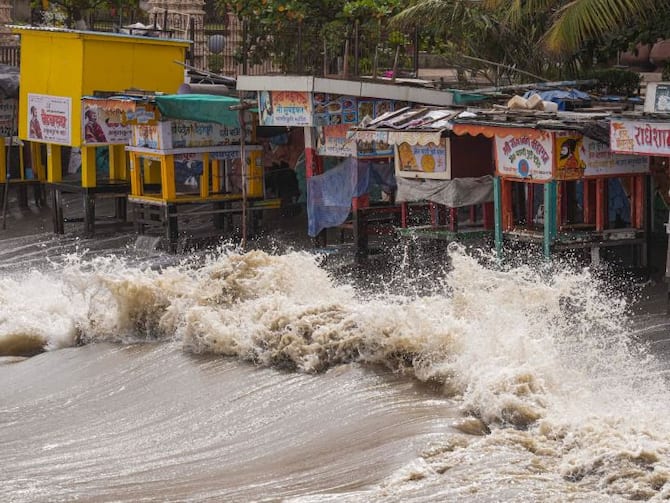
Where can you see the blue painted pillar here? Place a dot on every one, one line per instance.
(550, 216)
(497, 207)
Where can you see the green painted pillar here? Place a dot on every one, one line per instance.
(497, 208)
(550, 213)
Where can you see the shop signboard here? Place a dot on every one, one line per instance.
(525, 154)
(371, 144)
(600, 160)
(333, 141)
(284, 108)
(423, 161)
(49, 118)
(171, 134)
(640, 137)
(154, 136)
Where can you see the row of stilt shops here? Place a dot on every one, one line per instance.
(375, 158)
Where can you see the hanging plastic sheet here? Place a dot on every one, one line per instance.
(453, 193)
(329, 195)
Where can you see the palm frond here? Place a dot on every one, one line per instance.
(431, 12)
(581, 20)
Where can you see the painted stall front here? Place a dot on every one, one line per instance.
(189, 163)
(15, 155)
(646, 135)
(341, 175)
(444, 181)
(61, 67)
(558, 183)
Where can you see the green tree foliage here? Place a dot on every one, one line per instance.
(274, 27)
(551, 38)
(75, 10)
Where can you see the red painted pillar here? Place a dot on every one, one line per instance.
(586, 201)
(601, 204)
(639, 201)
(530, 202)
(404, 210)
(507, 212)
(453, 219)
(313, 163)
(433, 214)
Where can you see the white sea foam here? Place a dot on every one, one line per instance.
(542, 362)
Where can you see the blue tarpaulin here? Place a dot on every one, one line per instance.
(329, 195)
(559, 96)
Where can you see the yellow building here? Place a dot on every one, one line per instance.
(58, 68)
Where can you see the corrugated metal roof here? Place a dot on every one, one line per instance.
(432, 119)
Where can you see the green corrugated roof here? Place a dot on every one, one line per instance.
(199, 107)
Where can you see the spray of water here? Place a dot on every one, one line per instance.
(539, 358)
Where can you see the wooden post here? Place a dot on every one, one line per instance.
(506, 204)
(216, 175)
(530, 203)
(55, 164)
(118, 169)
(601, 204)
(639, 201)
(586, 202)
(433, 214)
(498, 210)
(168, 186)
(204, 178)
(3, 161)
(550, 216)
(36, 161)
(88, 166)
(453, 219)
(136, 188)
(312, 161)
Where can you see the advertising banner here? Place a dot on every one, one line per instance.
(371, 144)
(333, 109)
(526, 154)
(167, 135)
(49, 118)
(640, 137)
(332, 141)
(600, 160)
(105, 121)
(284, 108)
(569, 163)
(423, 161)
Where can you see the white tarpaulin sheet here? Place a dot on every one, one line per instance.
(453, 193)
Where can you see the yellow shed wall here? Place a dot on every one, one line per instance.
(51, 63)
(76, 64)
(117, 65)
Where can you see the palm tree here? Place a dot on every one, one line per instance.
(478, 36)
(570, 22)
(575, 22)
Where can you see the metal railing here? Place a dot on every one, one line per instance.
(10, 55)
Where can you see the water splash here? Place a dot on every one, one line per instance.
(540, 359)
